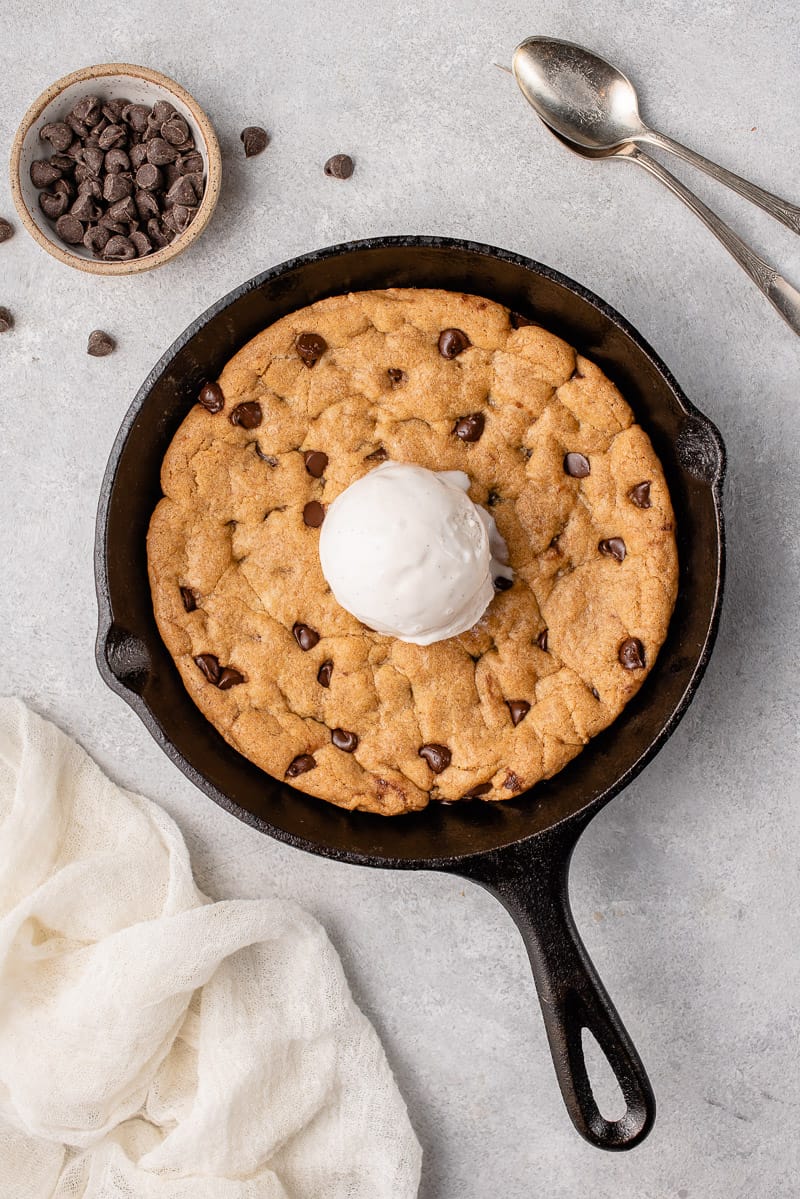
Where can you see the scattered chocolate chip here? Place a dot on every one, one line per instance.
(300, 765)
(612, 547)
(119, 249)
(254, 139)
(247, 415)
(189, 599)
(470, 428)
(43, 173)
(211, 398)
(58, 134)
(209, 665)
(69, 229)
(518, 321)
(6, 320)
(396, 375)
(502, 583)
(6, 229)
(519, 709)
(339, 166)
(100, 344)
(230, 677)
(453, 342)
(576, 465)
(305, 636)
(493, 499)
(511, 782)
(378, 455)
(324, 673)
(631, 654)
(437, 756)
(345, 740)
(310, 347)
(313, 514)
(640, 494)
(475, 792)
(541, 640)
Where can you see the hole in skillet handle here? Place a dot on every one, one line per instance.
(530, 878)
(127, 658)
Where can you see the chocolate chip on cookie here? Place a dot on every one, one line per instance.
(476, 792)
(437, 756)
(211, 398)
(640, 494)
(453, 342)
(189, 599)
(247, 415)
(511, 782)
(493, 498)
(470, 428)
(519, 709)
(396, 375)
(300, 765)
(230, 677)
(502, 583)
(541, 640)
(313, 514)
(324, 673)
(209, 665)
(310, 347)
(595, 692)
(576, 466)
(270, 459)
(344, 740)
(378, 455)
(612, 547)
(315, 462)
(304, 635)
(631, 654)
(517, 320)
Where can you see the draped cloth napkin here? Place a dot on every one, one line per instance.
(156, 1045)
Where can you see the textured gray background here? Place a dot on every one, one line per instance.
(686, 888)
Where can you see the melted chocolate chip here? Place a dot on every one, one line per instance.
(612, 547)
(640, 494)
(300, 765)
(576, 465)
(305, 636)
(437, 756)
(501, 583)
(631, 654)
(189, 599)
(470, 428)
(230, 677)
(313, 514)
(378, 455)
(517, 320)
(519, 709)
(324, 673)
(211, 397)
(475, 792)
(511, 782)
(209, 665)
(315, 462)
(344, 740)
(310, 347)
(453, 342)
(247, 415)
(541, 640)
(396, 375)
(268, 458)
(595, 692)
(493, 498)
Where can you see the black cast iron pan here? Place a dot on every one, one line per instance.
(520, 849)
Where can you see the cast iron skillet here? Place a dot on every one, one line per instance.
(520, 849)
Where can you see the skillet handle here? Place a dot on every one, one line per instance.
(531, 881)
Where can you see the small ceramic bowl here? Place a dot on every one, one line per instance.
(109, 81)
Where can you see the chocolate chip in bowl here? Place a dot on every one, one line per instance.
(115, 169)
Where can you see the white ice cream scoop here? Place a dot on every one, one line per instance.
(406, 551)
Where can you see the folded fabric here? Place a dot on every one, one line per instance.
(156, 1045)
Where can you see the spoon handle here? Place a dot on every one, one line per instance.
(781, 294)
(788, 214)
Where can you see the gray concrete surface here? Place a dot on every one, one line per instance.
(686, 887)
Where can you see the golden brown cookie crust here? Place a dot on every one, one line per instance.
(230, 533)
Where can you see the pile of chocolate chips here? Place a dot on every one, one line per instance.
(123, 179)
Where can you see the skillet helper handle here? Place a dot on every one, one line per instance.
(531, 881)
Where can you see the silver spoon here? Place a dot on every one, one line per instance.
(591, 102)
(579, 105)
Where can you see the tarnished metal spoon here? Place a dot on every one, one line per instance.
(581, 110)
(591, 102)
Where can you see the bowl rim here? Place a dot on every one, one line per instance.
(139, 705)
(207, 204)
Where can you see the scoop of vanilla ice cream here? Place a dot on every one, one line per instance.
(406, 551)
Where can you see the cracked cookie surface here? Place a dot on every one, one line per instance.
(300, 686)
